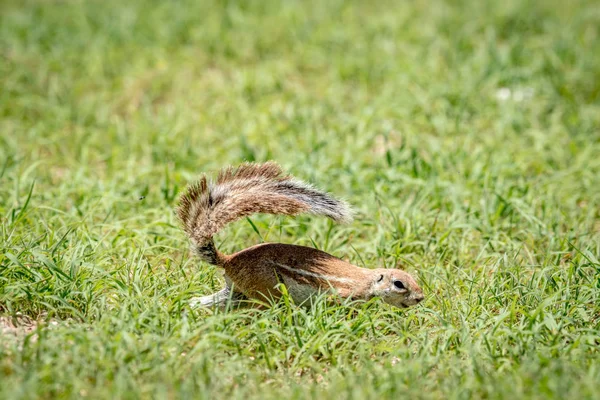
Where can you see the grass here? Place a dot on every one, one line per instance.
(466, 134)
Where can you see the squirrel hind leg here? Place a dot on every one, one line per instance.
(220, 299)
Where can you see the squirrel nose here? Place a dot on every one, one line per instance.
(419, 297)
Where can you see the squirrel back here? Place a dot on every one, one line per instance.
(206, 207)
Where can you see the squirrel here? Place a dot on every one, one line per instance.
(255, 273)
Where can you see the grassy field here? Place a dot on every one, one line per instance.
(465, 133)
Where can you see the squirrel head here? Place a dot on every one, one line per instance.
(396, 287)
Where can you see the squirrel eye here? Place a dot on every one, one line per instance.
(399, 285)
(380, 278)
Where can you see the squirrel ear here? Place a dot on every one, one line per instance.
(399, 266)
(380, 278)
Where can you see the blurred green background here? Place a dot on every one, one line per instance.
(465, 133)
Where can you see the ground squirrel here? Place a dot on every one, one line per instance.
(254, 273)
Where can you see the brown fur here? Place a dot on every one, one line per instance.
(256, 272)
(205, 210)
(258, 269)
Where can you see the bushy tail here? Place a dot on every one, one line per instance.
(206, 207)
